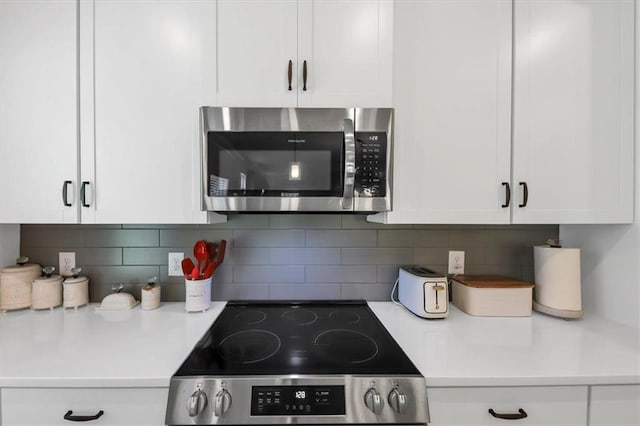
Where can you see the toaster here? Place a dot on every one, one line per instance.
(423, 291)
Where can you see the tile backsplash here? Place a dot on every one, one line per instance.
(285, 256)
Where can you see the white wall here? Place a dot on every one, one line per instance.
(9, 244)
(611, 253)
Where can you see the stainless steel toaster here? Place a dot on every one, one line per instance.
(423, 291)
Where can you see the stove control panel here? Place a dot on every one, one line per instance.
(297, 400)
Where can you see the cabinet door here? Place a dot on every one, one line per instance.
(256, 41)
(347, 47)
(452, 90)
(154, 68)
(573, 111)
(38, 111)
(614, 405)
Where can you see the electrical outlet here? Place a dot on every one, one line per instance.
(67, 262)
(175, 264)
(456, 262)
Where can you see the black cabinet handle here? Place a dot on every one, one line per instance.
(65, 200)
(526, 194)
(304, 76)
(507, 201)
(290, 73)
(83, 194)
(69, 416)
(521, 415)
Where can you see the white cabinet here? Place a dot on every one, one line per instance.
(49, 406)
(545, 405)
(560, 141)
(451, 92)
(289, 53)
(145, 71)
(38, 111)
(614, 405)
(573, 111)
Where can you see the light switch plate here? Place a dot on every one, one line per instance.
(67, 263)
(456, 262)
(175, 264)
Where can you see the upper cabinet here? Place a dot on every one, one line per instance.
(543, 137)
(38, 112)
(145, 70)
(573, 111)
(309, 53)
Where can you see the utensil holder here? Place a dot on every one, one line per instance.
(197, 295)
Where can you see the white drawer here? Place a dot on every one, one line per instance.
(615, 405)
(47, 406)
(545, 405)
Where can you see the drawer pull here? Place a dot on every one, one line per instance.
(521, 415)
(69, 416)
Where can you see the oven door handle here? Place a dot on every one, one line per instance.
(349, 164)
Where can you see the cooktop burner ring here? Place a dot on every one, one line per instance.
(250, 316)
(297, 316)
(349, 345)
(237, 351)
(348, 317)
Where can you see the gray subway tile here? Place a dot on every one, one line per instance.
(513, 271)
(55, 237)
(422, 256)
(188, 237)
(109, 275)
(305, 256)
(304, 291)
(387, 273)
(413, 238)
(266, 274)
(99, 256)
(376, 256)
(268, 238)
(340, 273)
(247, 256)
(122, 238)
(367, 291)
(173, 292)
(305, 221)
(152, 255)
(235, 291)
(522, 255)
(342, 238)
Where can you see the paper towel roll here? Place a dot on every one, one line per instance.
(557, 278)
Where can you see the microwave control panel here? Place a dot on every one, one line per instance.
(371, 164)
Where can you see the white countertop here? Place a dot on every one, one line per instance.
(89, 348)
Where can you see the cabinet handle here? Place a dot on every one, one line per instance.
(83, 194)
(507, 201)
(526, 194)
(65, 200)
(521, 415)
(290, 73)
(69, 416)
(304, 76)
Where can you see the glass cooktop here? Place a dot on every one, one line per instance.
(281, 338)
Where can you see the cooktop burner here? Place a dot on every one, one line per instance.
(267, 338)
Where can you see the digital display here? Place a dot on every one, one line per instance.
(297, 400)
(300, 394)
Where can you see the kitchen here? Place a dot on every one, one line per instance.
(166, 60)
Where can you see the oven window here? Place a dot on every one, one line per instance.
(275, 163)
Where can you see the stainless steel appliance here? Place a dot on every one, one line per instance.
(297, 363)
(423, 291)
(296, 159)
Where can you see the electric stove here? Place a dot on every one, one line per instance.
(297, 362)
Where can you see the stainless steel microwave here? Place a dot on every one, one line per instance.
(296, 159)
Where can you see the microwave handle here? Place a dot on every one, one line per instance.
(349, 164)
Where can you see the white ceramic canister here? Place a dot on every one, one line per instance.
(15, 285)
(46, 292)
(197, 295)
(75, 290)
(150, 295)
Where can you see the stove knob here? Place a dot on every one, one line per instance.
(223, 402)
(196, 403)
(397, 400)
(373, 401)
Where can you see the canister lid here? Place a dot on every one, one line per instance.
(76, 280)
(491, 281)
(53, 279)
(31, 268)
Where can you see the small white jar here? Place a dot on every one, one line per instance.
(150, 296)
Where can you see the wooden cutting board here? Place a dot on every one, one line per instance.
(491, 281)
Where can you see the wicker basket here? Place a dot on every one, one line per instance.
(46, 292)
(15, 286)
